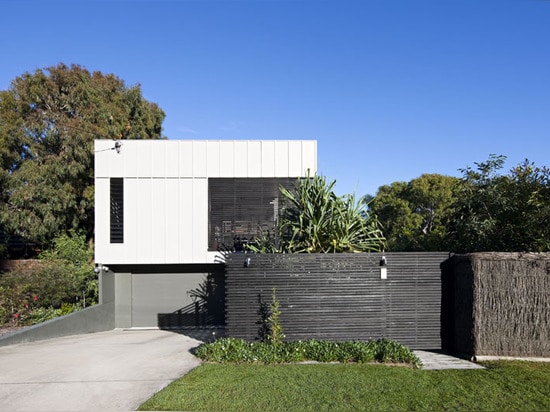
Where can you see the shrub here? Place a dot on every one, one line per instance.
(63, 282)
(270, 330)
(233, 350)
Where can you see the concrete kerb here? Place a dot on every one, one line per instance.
(483, 358)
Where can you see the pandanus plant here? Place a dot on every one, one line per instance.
(315, 220)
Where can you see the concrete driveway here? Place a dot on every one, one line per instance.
(107, 371)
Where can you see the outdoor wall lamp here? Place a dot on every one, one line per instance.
(383, 268)
(247, 262)
(100, 267)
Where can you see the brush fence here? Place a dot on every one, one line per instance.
(497, 304)
(339, 297)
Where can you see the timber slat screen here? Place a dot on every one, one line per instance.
(241, 209)
(339, 296)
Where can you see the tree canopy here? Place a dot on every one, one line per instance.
(507, 213)
(414, 215)
(482, 211)
(48, 122)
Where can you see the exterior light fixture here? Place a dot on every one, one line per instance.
(383, 268)
(100, 268)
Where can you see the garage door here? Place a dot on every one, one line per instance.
(163, 299)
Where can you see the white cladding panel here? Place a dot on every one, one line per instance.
(309, 157)
(144, 208)
(185, 158)
(172, 217)
(200, 220)
(158, 219)
(166, 191)
(268, 159)
(129, 249)
(240, 154)
(147, 157)
(102, 214)
(199, 158)
(254, 159)
(281, 158)
(171, 162)
(295, 166)
(213, 159)
(185, 229)
(227, 159)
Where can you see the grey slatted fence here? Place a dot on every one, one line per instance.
(339, 296)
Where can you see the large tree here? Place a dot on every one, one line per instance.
(48, 122)
(506, 213)
(414, 215)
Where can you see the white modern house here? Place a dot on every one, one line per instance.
(165, 208)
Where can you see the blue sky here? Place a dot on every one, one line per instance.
(390, 89)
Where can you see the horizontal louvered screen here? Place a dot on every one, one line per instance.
(339, 296)
(117, 210)
(241, 208)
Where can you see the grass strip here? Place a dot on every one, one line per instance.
(503, 386)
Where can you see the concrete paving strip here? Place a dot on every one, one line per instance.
(107, 371)
(439, 361)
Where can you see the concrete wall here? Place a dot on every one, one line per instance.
(166, 192)
(97, 318)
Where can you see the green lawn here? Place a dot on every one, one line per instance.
(517, 386)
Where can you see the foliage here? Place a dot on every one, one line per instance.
(482, 211)
(503, 386)
(232, 350)
(270, 330)
(414, 215)
(71, 248)
(48, 122)
(315, 220)
(267, 242)
(64, 281)
(42, 314)
(505, 213)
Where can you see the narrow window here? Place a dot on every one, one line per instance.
(117, 210)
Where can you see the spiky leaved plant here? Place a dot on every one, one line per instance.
(316, 220)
